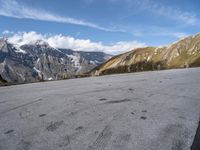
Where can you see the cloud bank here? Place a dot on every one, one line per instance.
(68, 42)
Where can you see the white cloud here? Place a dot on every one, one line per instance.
(157, 8)
(7, 32)
(123, 46)
(61, 41)
(12, 8)
(174, 13)
(22, 38)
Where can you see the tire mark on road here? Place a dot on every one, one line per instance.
(99, 91)
(14, 108)
(118, 101)
(24, 145)
(2, 102)
(121, 141)
(66, 144)
(102, 140)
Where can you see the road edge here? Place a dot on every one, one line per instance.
(196, 142)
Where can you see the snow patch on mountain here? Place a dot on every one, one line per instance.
(75, 60)
(18, 49)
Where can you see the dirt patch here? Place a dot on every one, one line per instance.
(79, 128)
(131, 89)
(143, 117)
(9, 131)
(54, 125)
(42, 115)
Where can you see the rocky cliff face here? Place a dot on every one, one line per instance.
(39, 61)
(184, 53)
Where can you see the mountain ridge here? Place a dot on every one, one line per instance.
(180, 54)
(39, 61)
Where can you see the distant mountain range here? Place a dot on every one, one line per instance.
(39, 61)
(181, 54)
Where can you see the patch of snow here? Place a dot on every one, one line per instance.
(2, 67)
(38, 71)
(107, 57)
(50, 58)
(148, 58)
(58, 50)
(97, 62)
(22, 77)
(62, 61)
(18, 49)
(156, 51)
(38, 60)
(50, 78)
(76, 61)
(92, 62)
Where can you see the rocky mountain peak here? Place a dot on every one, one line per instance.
(37, 61)
(3, 45)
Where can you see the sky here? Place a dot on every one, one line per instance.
(111, 26)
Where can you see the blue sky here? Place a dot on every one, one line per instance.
(118, 25)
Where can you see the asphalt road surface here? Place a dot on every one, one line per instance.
(138, 111)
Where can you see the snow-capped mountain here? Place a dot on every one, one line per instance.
(39, 61)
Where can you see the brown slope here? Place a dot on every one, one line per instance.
(184, 53)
